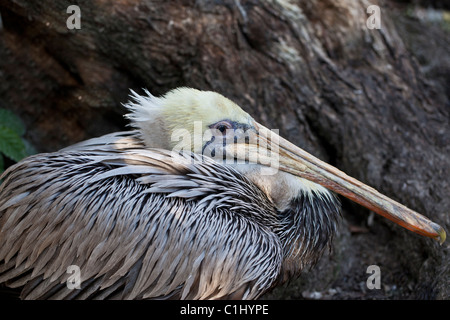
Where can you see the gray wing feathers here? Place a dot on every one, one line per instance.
(138, 223)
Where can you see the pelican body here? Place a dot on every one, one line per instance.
(188, 205)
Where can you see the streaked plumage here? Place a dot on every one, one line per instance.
(144, 223)
(138, 219)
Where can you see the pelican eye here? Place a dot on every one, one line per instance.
(222, 126)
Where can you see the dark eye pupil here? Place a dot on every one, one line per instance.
(222, 128)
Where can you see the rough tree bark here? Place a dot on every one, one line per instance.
(355, 97)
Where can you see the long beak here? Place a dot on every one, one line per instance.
(298, 162)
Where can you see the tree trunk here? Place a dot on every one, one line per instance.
(373, 102)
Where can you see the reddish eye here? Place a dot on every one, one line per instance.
(222, 126)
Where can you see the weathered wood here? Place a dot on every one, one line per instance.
(353, 96)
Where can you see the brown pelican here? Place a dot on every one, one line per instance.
(190, 205)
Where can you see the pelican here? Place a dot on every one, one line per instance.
(196, 201)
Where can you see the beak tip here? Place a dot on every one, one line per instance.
(440, 234)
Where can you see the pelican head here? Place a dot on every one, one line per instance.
(182, 118)
(207, 123)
